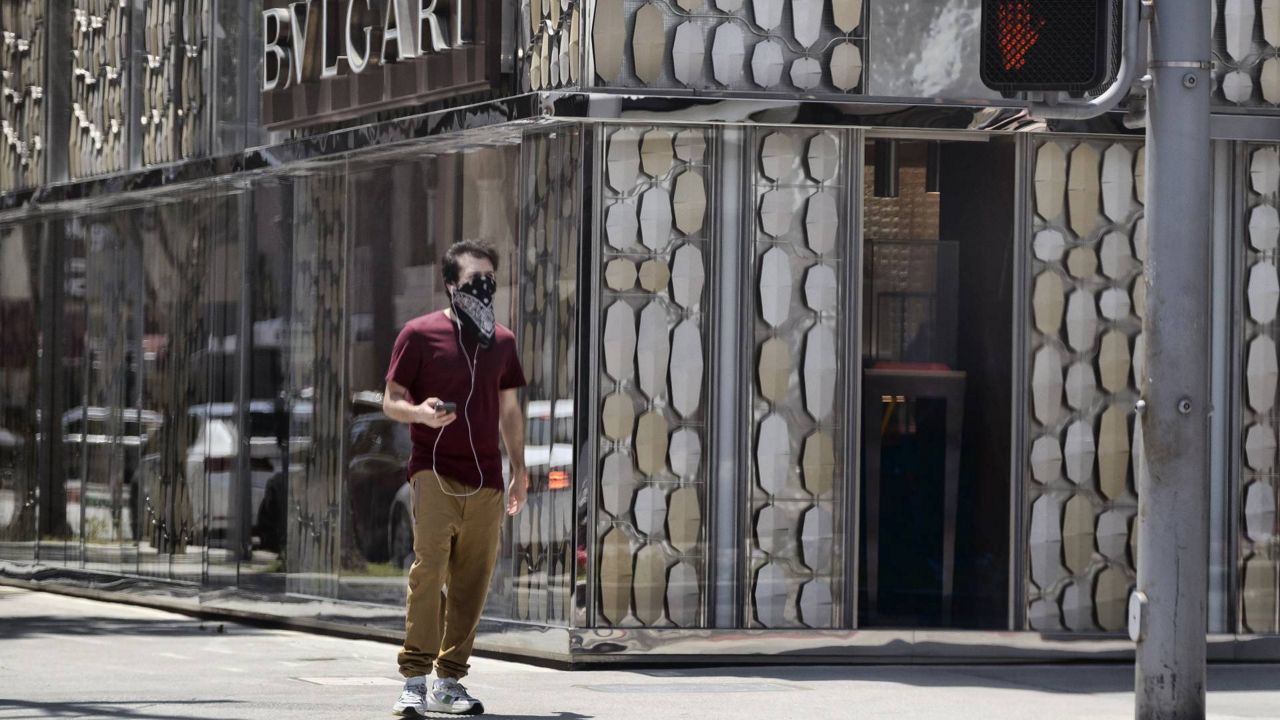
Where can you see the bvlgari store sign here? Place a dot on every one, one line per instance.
(331, 60)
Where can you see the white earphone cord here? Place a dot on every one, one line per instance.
(466, 415)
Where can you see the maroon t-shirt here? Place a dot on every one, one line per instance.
(428, 361)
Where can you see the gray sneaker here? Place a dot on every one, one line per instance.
(413, 699)
(448, 696)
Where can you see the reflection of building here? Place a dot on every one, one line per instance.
(827, 345)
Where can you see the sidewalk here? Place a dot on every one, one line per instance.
(69, 657)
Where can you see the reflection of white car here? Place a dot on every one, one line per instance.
(212, 458)
(101, 449)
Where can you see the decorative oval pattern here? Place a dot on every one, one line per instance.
(1113, 452)
(767, 63)
(818, 464)
(1046, 385)
(686, 368)
(623, 160)
(821, 289)
(772, 583)
(649, 43)
(820, 372)
(687, 277)
(1111, 600)
(1045, 541)
(1049, 245)
(608, 33)
(773, 531)
(1261, 374)
(688, 53)
(654, 275)
(1046, 460)
(821, 222)
(617, 484)
(651, 443)
(685, 454)
(1082, 386)
(777, 211)
(1048, 302)
(1113, 535)
(621, 226)
(620, 275)
(1117, 260)
(1082, 321)
(728, 55)
(1263, 292)
(1113, 361)
(775, 287)
(824, 157)
(653, 350)
(656, 154)
(1083, 190)
(1117, 182)
(690, 202)
(1264, 228)
(1260, 512)
(1080, 452)
(806, 73)
(816, 538)
(619, 341)
(684, 520)
(1264, 171)
(650, 584)
(815, 604)
(778, 156)
(1260, 447)
(846, 66)
(1051, 181)
(684, 597)
(618, 417)
(1078, 534)
(615, 577)
(773, 454)
(775, 370)
(651, 511)
(655, 219)
(806, 21)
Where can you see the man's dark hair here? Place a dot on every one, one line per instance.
(475, 248)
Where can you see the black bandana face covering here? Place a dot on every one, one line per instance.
(473, 306)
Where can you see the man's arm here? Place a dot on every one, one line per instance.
(511, 424)
(397, 406)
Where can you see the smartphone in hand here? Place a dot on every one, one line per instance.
(444, 408)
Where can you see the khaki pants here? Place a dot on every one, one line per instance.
(455, 543)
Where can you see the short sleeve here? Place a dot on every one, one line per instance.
(512, 374)
(406, 358)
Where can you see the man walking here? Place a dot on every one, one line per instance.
(454, 377)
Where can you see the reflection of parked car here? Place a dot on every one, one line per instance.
(381, 500)
(211, 462)
(377, 463)
(94, 471)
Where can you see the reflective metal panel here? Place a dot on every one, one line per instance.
(653, 476)
(1087, 240)
(796, 553)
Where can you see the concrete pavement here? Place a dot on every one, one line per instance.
(64, 657)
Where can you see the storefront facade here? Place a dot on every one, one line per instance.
(832, 353)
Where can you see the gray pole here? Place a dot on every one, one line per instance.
(1173, 501)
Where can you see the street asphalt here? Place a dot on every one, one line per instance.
(64, 657)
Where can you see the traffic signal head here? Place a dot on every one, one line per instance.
(1045, 44)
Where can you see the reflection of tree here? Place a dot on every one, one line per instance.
(318, 352)
(180, 252)
(19, 354)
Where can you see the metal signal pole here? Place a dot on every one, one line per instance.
(1168, 616)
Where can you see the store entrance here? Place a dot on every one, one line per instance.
(937, 338)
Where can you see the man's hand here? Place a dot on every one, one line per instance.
(519, 489)
(429, 416)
